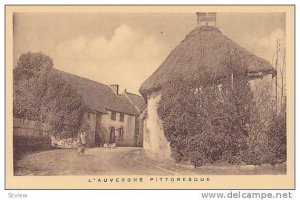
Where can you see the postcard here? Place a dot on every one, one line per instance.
(150, 97)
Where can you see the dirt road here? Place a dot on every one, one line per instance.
(117, 161)
(121, 161)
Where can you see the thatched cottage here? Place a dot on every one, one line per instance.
(111, 117)
(205, 49)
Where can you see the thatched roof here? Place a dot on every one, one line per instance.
(136, 100)
(97, 96)
(204, 50)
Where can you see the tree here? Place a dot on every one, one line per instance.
(62, 107)
(29, 84)
(41, 94)
(32, 64)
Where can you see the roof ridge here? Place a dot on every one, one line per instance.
(81, 77)
(98, 96)
(201, 29)
(133, 94)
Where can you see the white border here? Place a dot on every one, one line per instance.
(132, 194)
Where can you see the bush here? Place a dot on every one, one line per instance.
(271, 148)
(266, 143)
(62, 107)
(203, 122)
(277, 140)
(210, 119)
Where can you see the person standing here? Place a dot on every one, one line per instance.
(82, 138)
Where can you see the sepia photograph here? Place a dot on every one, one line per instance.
(150, 97)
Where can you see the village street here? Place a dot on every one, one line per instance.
(97, 161)
(119, 161)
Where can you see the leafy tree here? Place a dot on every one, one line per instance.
(41, 94)
(29, 84)
(32, 65)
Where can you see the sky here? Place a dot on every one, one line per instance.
(126, 48)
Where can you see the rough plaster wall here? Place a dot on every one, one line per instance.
(91, 121)
(263, 85)
(264, 94)
(140, 133)
(155, 144)
(128, 127)
(129, 131)
(24, 127)
(98, 131)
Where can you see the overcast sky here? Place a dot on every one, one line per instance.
(124, 48)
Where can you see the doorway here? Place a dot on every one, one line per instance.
(112, 137)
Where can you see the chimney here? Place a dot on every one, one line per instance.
(206, 19)
(115, 88)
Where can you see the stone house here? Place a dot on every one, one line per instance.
(204, 51)
(110, 117)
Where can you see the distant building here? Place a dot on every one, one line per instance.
(110, 117)
(140, 106)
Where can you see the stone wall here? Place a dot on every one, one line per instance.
(29, 136)
(155, 144)
(140, 136)
(65, 142)
(89, 119)
(24, 127)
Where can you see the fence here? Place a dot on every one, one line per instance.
(28, 128)
(29, 136)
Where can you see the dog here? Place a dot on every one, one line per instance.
(80, 150)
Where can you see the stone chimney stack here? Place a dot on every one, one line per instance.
(206, 19)
(115, 88)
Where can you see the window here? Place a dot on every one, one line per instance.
(121, 117)
(113, 115)
(121, 134)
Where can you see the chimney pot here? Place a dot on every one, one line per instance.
(115, 88)
(206, 18)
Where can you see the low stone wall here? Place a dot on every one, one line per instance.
(29, 128)
(29, 136)
(67, 143)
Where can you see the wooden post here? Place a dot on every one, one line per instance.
(276, 79)
(232, 80)
(282, 74)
